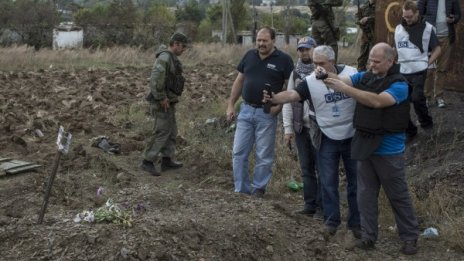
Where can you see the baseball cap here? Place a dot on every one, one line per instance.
(180, 37)
(306, 42)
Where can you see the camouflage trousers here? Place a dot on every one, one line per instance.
(323, 35)
(366, 46)
(163, 138)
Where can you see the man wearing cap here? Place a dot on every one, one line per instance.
(332, 140)
(260, 68)
(297, 123)
(166, 85)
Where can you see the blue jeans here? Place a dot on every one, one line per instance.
(328, 159)
(307, 159)
(259, 128)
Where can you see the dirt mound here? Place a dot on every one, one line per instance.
(190, 214)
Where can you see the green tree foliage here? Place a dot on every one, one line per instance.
(158, 23)
(238, 10)
(146, 4)
(298, 22)
(33, 20)
(212, 21)
(189, 12)
(108, 24)
(214, 14)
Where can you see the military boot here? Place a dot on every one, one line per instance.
(167, 164)
(149, 167)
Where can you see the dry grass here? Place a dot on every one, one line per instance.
(23, 58)
(443, 209)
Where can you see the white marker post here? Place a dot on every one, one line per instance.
(63, 142)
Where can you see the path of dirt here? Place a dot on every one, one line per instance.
(190, 214)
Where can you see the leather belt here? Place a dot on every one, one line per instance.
(254, 105)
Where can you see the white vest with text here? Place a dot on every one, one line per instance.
(410, 58)
(325, 99)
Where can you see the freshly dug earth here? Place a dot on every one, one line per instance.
(187, 214)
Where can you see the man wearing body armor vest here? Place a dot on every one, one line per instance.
(333, 112)
(381, 118)
(366, 21)
(414, 39)
(166, 85)
(297, 124)
(323, 27)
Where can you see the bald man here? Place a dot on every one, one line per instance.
(380, 119)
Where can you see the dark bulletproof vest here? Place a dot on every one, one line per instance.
(392, 119)
(371, 124)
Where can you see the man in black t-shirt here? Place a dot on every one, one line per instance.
(260, 68)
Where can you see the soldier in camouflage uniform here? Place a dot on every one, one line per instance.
(323, 28)
(166, 84)
(366, 21)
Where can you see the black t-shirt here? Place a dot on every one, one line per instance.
(274, 70)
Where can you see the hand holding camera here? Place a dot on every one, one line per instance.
(321, 74)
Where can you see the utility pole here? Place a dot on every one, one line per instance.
(255, 25)
(224, 21)
(272, 15)
(287, 22)
(231, 21)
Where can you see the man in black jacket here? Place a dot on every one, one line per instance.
(444, 15)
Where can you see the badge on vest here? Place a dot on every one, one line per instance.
(403, 44)
(335, 111)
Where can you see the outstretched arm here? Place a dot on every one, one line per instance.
(281, 97)
(370, 99)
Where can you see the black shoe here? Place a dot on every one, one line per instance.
(410, 137)
(168, 163)
(149, 167)
(319, 215)
(356, 232)
(329, 230)
(365, 244)
(308, 212)
(259, 193)
(409, 247)
(428, 130)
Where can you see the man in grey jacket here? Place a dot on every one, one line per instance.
(297, 121)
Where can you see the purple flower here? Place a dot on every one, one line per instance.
(100, 191)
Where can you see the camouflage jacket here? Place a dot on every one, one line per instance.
(322, 9)
(367, 10)
(166, 65)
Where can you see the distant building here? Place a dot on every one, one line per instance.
(245, 38)
(352, 30)
(268, 2)
(67, 35)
